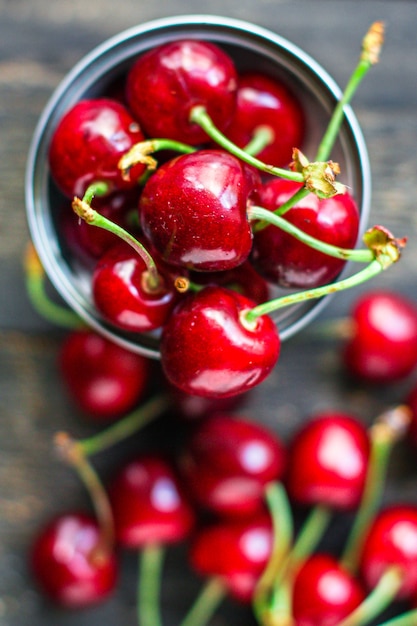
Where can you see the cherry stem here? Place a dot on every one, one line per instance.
(387, 429)
(141, 153)
(361, 256)
(35, 279)
(262, 137)
(206, 603)
(93, 218)
(381, 596)
(200, 116)
(73, 454)
(149, 585)
(409, 618)
(125, 427)
(373, 269)
(309, 536)
(371, 47)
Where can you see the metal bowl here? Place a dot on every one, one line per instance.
(252, 48)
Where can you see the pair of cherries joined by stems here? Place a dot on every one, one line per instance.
(199, 212)
(250, 553)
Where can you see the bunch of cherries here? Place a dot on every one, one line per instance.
(232, 210)
(190, 247)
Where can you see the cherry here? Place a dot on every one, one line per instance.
(165, 83)
(65, 564)
(148, 503)
(266, 102)
(227, 461)
(412, 403)
(123, 294)
(235, 551)
(284, 260)
(89, 244)
(88, 143)
(382, 347)
(324, 593)
(208, 349)
(391, 541)
(191, 407)
(328, 460)
(103, 379)
(206, 226)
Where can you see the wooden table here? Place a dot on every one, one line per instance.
(39, 43)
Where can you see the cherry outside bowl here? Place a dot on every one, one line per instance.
(252, 48)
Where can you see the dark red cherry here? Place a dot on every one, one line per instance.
(66, 566)
(265, 101)
(392, 541)
(88, 143)
(328, 460)
(235, 551)
(285, 261)
(102, 378)
(148, 503)
(209, 349)
(88, 243)
(193, 210)
(228, 460)
(411, 401)
(324, 593)
(123, 295)
(165, 83)
(382, 347)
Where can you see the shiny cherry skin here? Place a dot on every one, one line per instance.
(227, 461)
(148, 503)
(208, 349)
(287, 262)
(65, 566)
(382, 347)
(88, 143)
(122, 294)
(165, 83)
(324, 593)
(328, 460)
(235, 551)
(104, 380)
(392, 541)
(265, 101)
(193, 210)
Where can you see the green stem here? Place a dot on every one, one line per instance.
(149, 585)
(361, 256)
(35, 287)
(206, 603)
(124, 427)
(406, 619)
(384, 433)
(142, 151)
(93, 218)
(95, 189)
(381, 596)
(262, 137)
(309, 536)
(373, 269)
(200, 116)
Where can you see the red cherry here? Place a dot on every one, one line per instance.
(264, 101)
(284, 260)
(392, 541)
(165, 83)
(103, 379)
(148, 504)
(88, 143)
(206, 226)
(324, 593)
(65, 565)
(411, 401)
(208, 349)
(383, 344)
(328, 460)
(122, 294)
(236, 551)
(228, 460)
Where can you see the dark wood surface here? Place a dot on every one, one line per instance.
(39, 42)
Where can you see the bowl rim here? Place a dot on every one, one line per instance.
(118, 43)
